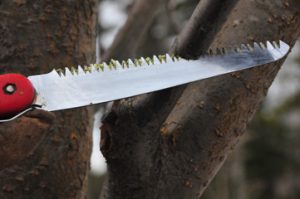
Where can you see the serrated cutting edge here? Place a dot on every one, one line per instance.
(160, 59)
(115, 65)
(72, 86)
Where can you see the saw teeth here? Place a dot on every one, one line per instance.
(55, 73)
(243, 47)
(220, 51)
(130, 63)
(175, 57)
(269, 45)
(262, 45)
(80, 71)
(94, 68)
(161, 59)
(112, 64)
(138, 62)
(169, 58)
(250, 47)
(125, 64)
(215, 51)
(118, 64)
(256, 45)
(60, 72)
(144, 61)
(149, 61)
(223, 51)
(273, 44)
(210, 52)
(73, 70)
(68, 72)
(87, 69)
(100, 66)
(155, 59)
(276, 44)
(237, 50)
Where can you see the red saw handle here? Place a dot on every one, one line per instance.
(16, 94)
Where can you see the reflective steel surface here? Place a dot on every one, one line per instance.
(56, 92)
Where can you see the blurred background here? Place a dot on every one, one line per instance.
(266, 163)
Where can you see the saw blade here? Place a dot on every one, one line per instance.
(97, 83)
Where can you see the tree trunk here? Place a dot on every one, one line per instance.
(170, 144)
(125, 45)
(230, 181)
(41, 157)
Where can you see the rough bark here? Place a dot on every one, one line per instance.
(230, 182)
(205, 23)
(171, 143)
(43, 157)
(125, 45)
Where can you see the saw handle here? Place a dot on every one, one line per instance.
(16, 94)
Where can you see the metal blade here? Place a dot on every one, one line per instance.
(99, 83)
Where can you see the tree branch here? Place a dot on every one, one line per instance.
(171, 143)
(206, 21)
(125, 45)
(129, 37)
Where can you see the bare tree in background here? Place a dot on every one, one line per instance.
(167, 144)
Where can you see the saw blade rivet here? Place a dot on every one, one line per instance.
(9, 89)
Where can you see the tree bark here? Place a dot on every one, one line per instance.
(170, 144)
(126, 44)
(43, 157)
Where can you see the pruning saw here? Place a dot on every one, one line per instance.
(97, 83)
